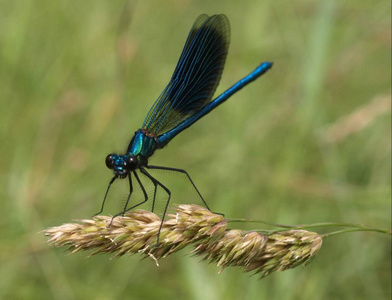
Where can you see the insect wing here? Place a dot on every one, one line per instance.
(195, 77)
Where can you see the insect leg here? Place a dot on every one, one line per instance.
(168, 199)
(136, 205)
(130, 193)
(183, 172)
(106, 194)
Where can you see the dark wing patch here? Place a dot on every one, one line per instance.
(196, 76)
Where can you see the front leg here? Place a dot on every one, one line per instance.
(106, 194)
(130, 193)
(136, 205)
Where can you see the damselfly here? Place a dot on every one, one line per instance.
(186, 99)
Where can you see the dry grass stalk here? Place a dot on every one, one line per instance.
(136, 232)
(259, 253)
(356, 120)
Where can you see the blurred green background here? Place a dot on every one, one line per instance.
(308, 142)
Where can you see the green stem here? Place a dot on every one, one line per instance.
(325, 235)
(240, 220)
(355, 227)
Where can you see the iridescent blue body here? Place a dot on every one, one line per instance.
(185, 100)
(144, 145)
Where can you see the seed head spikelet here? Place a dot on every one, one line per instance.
(136, 232)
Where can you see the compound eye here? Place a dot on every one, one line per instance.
(131, 163)
(109, 161)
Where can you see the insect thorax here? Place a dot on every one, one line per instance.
(142, 145)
